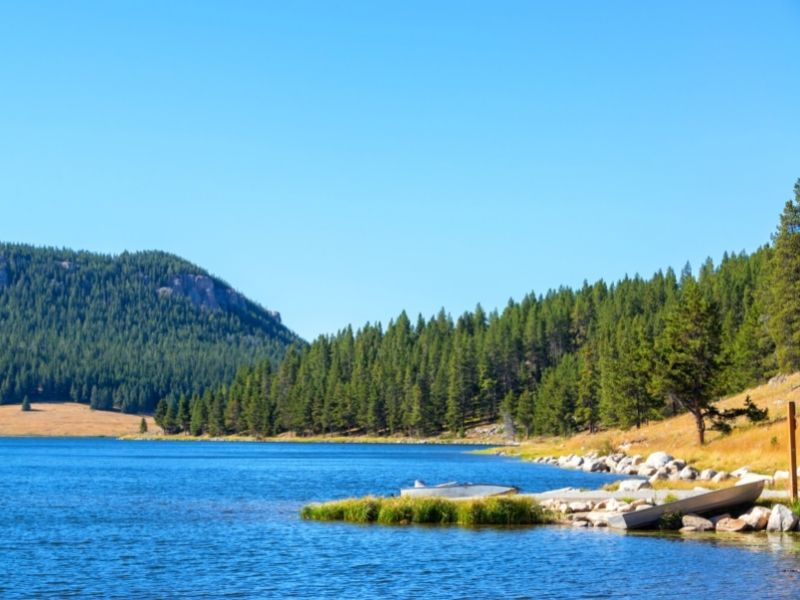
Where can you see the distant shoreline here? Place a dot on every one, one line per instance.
(74, 420)
(319, 440)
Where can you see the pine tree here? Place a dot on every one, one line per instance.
(170, 424)
(26, 404)
(783, 293)
(160, 415)
(556, 398)
(143, 426)
(183, 415)
(199, 419)
(688, 349)
(587, 410)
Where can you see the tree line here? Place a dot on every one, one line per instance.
(603, 355)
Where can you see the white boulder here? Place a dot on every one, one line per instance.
(707, 474)
(593, 465)
(688, 473)
(721, 476)
(574, 462)
(646, 471)
(781, 519)
(633, 485)
(658, 459)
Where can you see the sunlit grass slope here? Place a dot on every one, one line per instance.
(762, 447)
(67, 419)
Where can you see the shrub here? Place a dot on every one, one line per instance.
(670, 521)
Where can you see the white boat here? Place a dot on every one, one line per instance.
(453, 489)
(711, 503)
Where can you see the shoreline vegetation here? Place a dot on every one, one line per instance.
(497, 511)
(760, 446)
(318, 439)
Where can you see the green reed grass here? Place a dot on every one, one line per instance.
(437, 511)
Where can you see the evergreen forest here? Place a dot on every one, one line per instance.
(123, 332)
(569, 360)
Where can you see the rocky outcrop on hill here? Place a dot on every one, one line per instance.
(207, 293)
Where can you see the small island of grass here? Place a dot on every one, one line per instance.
(504, 510)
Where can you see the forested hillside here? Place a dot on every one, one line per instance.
(125, 331)
(606, 354)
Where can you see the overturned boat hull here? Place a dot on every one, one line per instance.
(717, 502)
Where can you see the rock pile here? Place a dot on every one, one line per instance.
(587, 513)
(659, 466)
(593, 514)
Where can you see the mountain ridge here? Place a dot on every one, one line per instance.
(122, 331)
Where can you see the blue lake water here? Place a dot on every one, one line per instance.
(104, 518)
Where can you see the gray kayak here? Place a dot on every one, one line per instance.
(709, 503)
(454, 489)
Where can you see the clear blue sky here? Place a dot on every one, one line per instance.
(342, 161)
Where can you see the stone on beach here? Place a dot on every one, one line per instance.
(721, 476)
(592, 465)
(757, 517)
(707, 474)
(781, 519)
(634, 485)
(698, 522)
(660, 475)
(716, 518)
(688, 473)
(658, 459)
(646, 471)
(579, 507)
(575, 462)
(598, 519)
(729, 525)
(676, 463)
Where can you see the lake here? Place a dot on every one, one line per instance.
(104, 518)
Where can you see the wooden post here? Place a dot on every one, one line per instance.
(792, 452)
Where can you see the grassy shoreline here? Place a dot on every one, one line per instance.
(496, 511)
